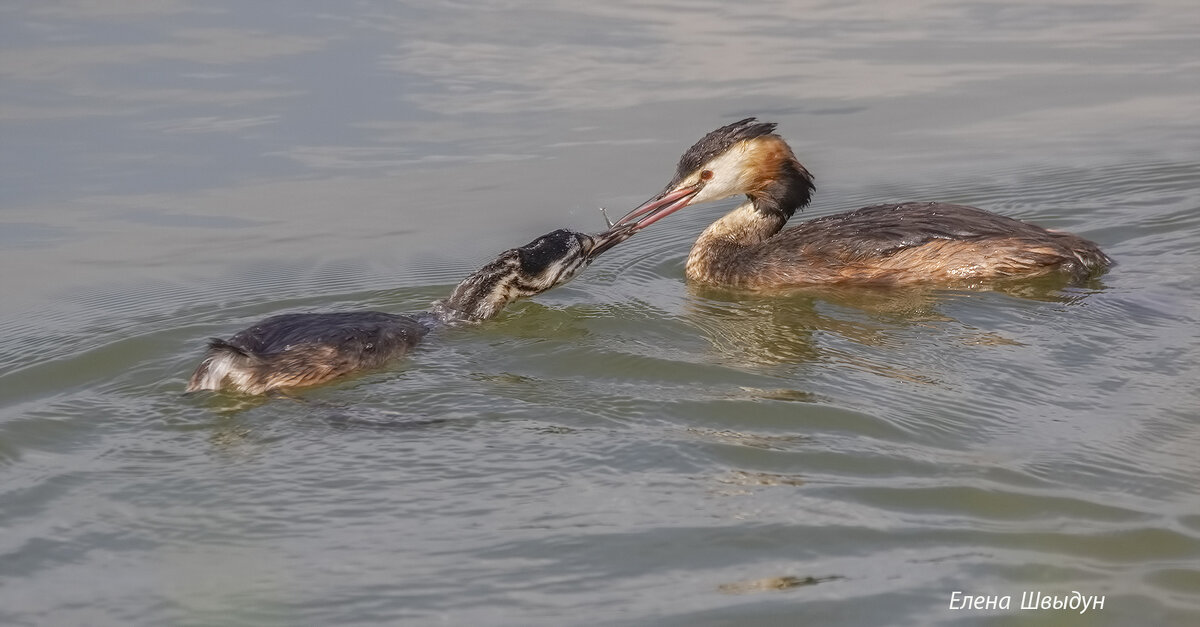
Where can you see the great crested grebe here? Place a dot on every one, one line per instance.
(300, 349)
(894, 244)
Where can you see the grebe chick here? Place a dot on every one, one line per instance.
(300, 349)
(894, 244)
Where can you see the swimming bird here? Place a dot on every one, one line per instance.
(891, 244)
(301, 349)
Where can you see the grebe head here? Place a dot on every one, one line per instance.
(546, 262)
(745, 157)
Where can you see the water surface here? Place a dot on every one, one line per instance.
(627, 449)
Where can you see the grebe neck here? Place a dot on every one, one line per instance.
(483, 294)
(718, 254)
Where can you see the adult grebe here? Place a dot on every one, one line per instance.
(293, 350)
(893, 244)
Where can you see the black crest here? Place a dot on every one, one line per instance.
(552, 247)
(718, 142)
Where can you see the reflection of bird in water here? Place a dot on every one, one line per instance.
(894, 244)
(293, 350)
(834, 323)
(801, 327)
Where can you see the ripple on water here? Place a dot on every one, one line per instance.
(630, 441)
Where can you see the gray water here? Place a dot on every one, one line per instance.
(628, 449)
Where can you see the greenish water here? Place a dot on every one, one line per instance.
(628, 449)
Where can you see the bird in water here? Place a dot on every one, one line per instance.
(894, 244)
(301, 349)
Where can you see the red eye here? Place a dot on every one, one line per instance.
(706, 174)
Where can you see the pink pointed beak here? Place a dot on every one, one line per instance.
(660, 206)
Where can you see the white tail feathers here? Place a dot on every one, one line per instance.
(223, 366)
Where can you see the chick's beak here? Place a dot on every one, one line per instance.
(606, 240)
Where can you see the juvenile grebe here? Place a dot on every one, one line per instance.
(293, 350)
(893, 244)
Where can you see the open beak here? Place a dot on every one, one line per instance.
(648, 213)
(660, 206)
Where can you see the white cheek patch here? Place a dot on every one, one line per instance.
(728, 179)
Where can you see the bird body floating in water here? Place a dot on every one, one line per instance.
(894, 244)
(301, 349)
